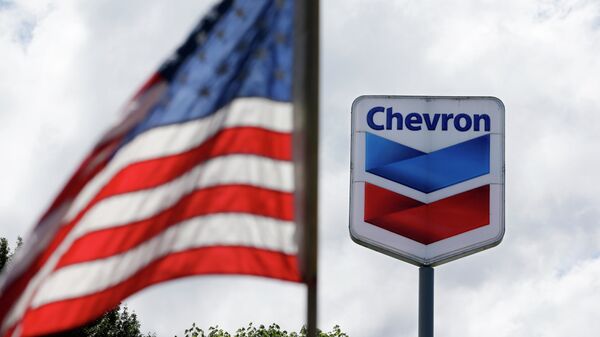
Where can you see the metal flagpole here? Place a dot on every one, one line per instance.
(425, 301)
(306, 144)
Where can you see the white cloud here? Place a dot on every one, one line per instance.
(547, 304)
(85, 59)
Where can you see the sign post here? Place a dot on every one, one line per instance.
(427, 181)
(425, 301)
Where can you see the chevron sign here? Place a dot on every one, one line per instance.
(427, 176)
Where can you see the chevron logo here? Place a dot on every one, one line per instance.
(427, 172)
(427, 176)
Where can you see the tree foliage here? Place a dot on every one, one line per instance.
(261, 331)
(118, 322)
(5, 252)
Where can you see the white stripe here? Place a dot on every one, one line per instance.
(177, 138)
(235, 169)
(214, 230)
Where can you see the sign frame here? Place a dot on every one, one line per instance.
(497, 146)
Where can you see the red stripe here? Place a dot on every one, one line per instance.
(219, 199)
(427, 223)
(66, 314)
(10, 331)
(153, 80)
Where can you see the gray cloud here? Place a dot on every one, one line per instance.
(24, 33)
(20, 20)
(6, 4)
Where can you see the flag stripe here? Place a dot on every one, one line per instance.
(227, 229)
(219, 199)
(177, 138)
(207, 260)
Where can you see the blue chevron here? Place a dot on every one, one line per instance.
(427, 172)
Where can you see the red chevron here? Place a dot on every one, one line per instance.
(427, 223)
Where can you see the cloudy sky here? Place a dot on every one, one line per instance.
(66, 68)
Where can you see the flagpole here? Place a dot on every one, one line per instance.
(306, 125)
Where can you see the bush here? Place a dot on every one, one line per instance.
(252, 331)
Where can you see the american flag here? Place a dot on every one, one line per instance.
(198, 178)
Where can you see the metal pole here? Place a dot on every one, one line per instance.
(306, 145)
(425, 301)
